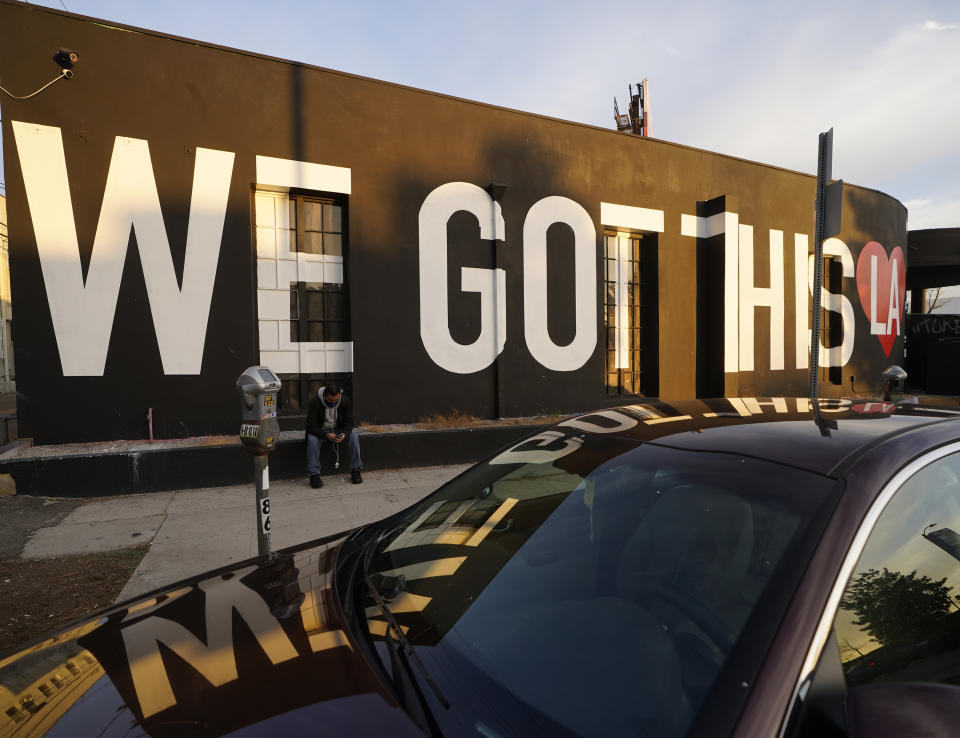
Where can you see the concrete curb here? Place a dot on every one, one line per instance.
(98, 475)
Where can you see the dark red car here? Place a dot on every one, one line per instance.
(731, 567)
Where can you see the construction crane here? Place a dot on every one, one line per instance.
(637, 118)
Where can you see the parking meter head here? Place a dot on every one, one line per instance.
(259, 390)
(894, 383)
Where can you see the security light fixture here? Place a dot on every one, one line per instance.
(65, 59)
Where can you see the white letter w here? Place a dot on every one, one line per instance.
(83, 313)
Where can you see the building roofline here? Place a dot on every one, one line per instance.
(111, 25)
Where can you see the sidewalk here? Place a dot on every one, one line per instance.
(195, 530)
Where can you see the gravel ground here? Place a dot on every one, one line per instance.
(39, 596)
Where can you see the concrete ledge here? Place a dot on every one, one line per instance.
(98, 475)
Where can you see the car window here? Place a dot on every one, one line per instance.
(899, 617)
(599, 591)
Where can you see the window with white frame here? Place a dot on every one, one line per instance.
(302, 305)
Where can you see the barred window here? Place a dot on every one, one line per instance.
(625, 306)
(302, 299)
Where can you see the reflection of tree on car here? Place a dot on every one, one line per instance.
(895, 608)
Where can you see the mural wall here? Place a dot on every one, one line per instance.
(179, 211)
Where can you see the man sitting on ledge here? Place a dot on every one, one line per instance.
(330, 420)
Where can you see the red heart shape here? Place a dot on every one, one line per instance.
(875, 293)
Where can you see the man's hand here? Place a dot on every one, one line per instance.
(340, 437)
(331, 437)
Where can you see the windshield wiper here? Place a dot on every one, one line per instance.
(400, 658)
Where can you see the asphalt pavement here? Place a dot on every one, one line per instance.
(192, 531)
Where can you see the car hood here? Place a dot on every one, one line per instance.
(260, 647)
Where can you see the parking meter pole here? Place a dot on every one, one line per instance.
(259, 390)
(261, 472)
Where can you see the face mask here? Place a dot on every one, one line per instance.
(330, 403)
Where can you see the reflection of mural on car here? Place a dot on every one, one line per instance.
(215, 659)
(206, 649)
(40, 684)
(567, 436)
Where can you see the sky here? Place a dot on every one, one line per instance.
(757, 80)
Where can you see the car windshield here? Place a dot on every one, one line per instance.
(594, 585)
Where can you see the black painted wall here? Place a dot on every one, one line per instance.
(400, 144)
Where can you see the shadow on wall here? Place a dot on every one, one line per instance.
(385, 275)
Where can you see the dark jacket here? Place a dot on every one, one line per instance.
(316, 411)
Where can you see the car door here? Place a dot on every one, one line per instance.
(890, 664)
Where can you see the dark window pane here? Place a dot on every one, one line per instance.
(333, 305)
(292, 204)
(312, 243)
(335, 223)
(611, 361)
(611, 315)
(294, 304)
(294, 331)
(611, 337)
(336, 331)
(311, 216)
(313, 387)
(290, 394)
(314, 306)
(315, 330)
(333, 244)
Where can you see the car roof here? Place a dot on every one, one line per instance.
(781, 430)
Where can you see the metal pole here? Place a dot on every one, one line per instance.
(261, 473)
(497, 366)
(822, 177)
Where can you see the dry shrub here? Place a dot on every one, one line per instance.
(453, 419)
(457, 419)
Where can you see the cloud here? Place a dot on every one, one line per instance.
(942, 211)
(668, 48)
(887, 91)
(934, 26)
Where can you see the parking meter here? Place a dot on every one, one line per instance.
(259, 391)
(894, 380)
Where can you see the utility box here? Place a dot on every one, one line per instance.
(259, 391)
